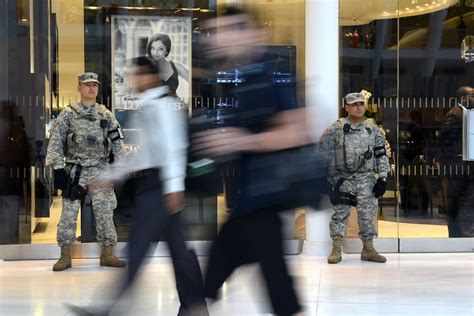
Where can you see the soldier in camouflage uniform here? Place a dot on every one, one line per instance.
(357, 168)
(86, 137)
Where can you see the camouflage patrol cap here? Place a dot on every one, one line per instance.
(88, 77)
(355, 97)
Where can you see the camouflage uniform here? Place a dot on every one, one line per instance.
(79, 137)
(360, 173)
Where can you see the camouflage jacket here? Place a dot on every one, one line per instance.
(352, 150)
(88, 135)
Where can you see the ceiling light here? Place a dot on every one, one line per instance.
(384, 12)
(414, 1)
(417, 6)
(407, 9)
(426, 4)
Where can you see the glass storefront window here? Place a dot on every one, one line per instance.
(99, 36)
(408, 55)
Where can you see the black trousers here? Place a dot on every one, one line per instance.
(151, 222)
(247, 239)
(461, 207)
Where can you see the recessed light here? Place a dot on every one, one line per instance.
(417, 6)
(433, 2)
(384, 12)
(426, 4)
(407, 9)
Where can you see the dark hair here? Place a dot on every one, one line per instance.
(149, 66)
(232, 10)
(463, 92)
(165, 39)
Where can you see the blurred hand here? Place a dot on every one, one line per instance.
(174, 202)
(222, 141)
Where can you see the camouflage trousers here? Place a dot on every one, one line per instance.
(103, 202)
(367, 204)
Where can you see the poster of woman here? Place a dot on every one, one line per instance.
(166, 40)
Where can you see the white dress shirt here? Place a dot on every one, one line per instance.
(163, 141)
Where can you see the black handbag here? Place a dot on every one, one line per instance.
(282, 180)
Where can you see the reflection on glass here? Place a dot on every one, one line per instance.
(411, 100)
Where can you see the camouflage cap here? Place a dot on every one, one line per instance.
(355, 97)
(88, 77)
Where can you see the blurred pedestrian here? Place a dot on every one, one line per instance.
(252, 234)
(159, 168)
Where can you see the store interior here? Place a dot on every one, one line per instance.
(407, 53)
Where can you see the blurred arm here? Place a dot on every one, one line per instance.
(287, 129)
(171, 121)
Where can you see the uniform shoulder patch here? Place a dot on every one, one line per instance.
(339, 123)
(370, 122)
(75, 107)
(65, 113)
(102, 109)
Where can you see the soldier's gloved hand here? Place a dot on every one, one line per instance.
(379, 188)
(60, 179)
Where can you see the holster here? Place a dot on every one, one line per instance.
(74, 191)
(341, 198)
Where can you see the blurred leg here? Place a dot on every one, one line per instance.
(223, 258)
(186, 267)
(265, 229)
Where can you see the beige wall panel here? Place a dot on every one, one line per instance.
(70, 14)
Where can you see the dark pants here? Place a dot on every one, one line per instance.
(151, 221)
(248, 239)
(461, 207)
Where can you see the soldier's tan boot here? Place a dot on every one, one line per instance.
(370, 254)
(107, 258)
(64, 261)
(336, 252)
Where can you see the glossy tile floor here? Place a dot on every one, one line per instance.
(408, 284)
